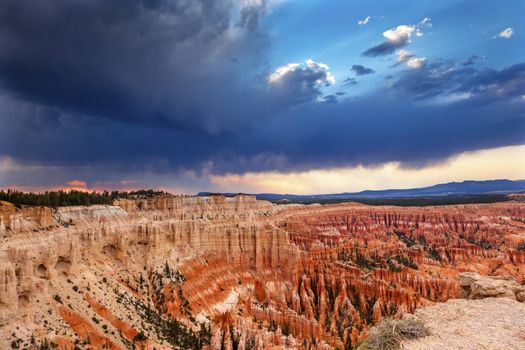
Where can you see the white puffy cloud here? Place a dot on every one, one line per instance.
(282, 71)
(404, 55)
(300, 82)
(396, 38)
(407, 57)
(399, 35)
(416, 62)
(319, 71)
(328, 79)
(507, 33)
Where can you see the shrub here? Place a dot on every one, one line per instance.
(286, 329)
(140, 337)
(388, 334)
(411, 328)
(15, 343)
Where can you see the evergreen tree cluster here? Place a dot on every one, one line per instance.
(72, 197)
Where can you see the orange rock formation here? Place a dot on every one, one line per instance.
(236, 272)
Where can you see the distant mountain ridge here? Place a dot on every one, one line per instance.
(466, 188)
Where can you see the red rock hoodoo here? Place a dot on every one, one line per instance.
(237, 273)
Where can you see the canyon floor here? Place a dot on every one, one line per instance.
(237, 273)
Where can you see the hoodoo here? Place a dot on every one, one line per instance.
(239, 273)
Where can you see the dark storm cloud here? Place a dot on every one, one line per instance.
(478, 86)
(367, 132)
(149, 62)
(111, 87)
(361, 70)
(375, 129)
(251, 13)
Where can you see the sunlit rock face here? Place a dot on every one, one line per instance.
(237, 273)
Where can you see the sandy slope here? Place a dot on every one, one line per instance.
(492, 323)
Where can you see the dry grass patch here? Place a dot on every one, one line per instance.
(389, 333)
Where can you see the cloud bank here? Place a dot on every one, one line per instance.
(98, 90)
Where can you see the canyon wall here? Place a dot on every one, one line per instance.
(237, 273)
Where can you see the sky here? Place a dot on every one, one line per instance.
(288, 96)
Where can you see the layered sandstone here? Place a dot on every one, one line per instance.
(236, 272)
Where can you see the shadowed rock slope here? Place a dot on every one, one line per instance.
(237, 273)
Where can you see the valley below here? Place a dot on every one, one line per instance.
(234, 273)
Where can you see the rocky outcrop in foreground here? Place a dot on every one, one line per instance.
(237, 273)
(475, 286)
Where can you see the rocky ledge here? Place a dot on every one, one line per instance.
(475, 286)
(459, 324)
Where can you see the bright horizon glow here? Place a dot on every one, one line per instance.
(490, 164)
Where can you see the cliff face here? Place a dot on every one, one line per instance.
(236, 272)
